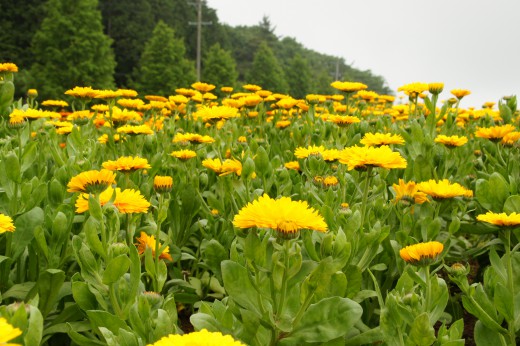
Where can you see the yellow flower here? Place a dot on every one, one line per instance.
(82, 92)
(214, 164)
(292, 165)
(55, 103)
(367, 95)
(500, 219)
(126, 164)
(135, 130)
(103, 139)
(264, 93)
(443, 189)
(16, 121)
(460, 93)
(156, 98)
(130, 103)
(409, 193)
(343, 120)
(414, 89)
(287, 103)
(202, 338)
(8, 67)
(435, 88)
(511, 138)
(6, 224)
(451, 141)
(330, 181)
(202, 87)
(107, 94)
(348, 87)
(126, 201)
(227, 90)
(92, 181)
(314, 99)
(378, 139)
(495, 132)
(361, 157)
(312, 150)
(162, 184)
(282, 124)
(145, 241)
(251, 100)
(7, 331)
(216, 113)
(422, 253)
(127, 92)
(192, 138)
(285, 216)
(252, 87)
(231, 166)
(184, 155)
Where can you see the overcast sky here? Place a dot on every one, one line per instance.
(467, 44)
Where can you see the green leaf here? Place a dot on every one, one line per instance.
(504, 301)
(492, 193)
(91, 229)
(49, 285)
(99, 318)
(82, 296)
(35, 327)
(214, 253)
(512, 204)
(485, 336)
(116, 268)
(25, 225)
(239, 286)
(326, 320)
(422, 333)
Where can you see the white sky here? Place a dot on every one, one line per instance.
(467, 44)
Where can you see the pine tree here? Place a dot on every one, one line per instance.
(130, 24)
(299, 77)
(266, 71)
(71, 50)
(219, 67)
(163, 67)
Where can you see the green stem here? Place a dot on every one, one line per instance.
(427, 280)
(365, 196)
(157, 246)
(303, 308)
(281, 302)
(511, 324)
(115, 302)
(102, 229)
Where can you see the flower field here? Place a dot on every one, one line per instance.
(221, 216)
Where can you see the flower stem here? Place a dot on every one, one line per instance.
(365, 196)
(510, 284)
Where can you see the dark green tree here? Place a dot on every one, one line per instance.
(219, 67)
(266, 71)
(130, 24)
(163, 66)
(299, 77)
(70, 49)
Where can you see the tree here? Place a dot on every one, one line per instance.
(219, 67)
(70, 49)
(299, 77)
(266, 71)
(130, 24)
(163, 66)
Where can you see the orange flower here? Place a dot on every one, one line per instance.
(145, 241)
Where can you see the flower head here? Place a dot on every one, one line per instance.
(216, 113)
(202, 87)
(494, 133)
(500, 219)
(408, 193)
(343, 120)
(348, 87)
(6, 224)
(378, 139)
(184, 155)
(127, 201)
(435, 88)
(363, 157)
(451, 141)
(7, 331)
(312, 150)
(145, 241)
(135, 130)
(92, 181)
(443, 189)
(292, 165)
(162, 184)
(460, 93)
(202, 338)
(126, 164)
(192, 138)
(511, 138)
(283, 215)
(8, 67)
(422, 253)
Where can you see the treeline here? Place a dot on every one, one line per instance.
(150, 45)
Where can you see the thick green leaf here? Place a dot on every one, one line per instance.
(326, 320)
(512, 204)
(492, 193)
(239, 287)
(99, 318)
(49, 285)
(116, 268)
(485, 336)
(25, 225)
(35, 327)
(422, 333)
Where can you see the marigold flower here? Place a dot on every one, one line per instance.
(287, 103)
(7, 331)
(348, 87)
(184, 155)
(292, 165)
(202, 87)
(6, 224)
(408, 193)
(414, 89)
(126, 201)
(451, 141)
(214, 164)
(82, 92)
(162, 184)
(54, 103)
(103, 139)
(227, 90)
(283, 124)
(135, 129)
(202, 338)
(130, 103)
(343, 120)
(216, 113)
(16, 121)
(443, 189)
(378, 139)
(251, 100)
(8, 67)
(303, 153)
(330, 181)
(192, 138)
(500, 219)
(92, 181)
(231, 166)
(361, 157)
(367, 95)
(126, 164)
(422, 253)
(435, 88)
(283, 215)
(145, 241)
(264, 93)
(494, 133)
(460, 93)
(511, 138)
(252, 87)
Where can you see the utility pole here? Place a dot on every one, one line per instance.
(199, 24)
